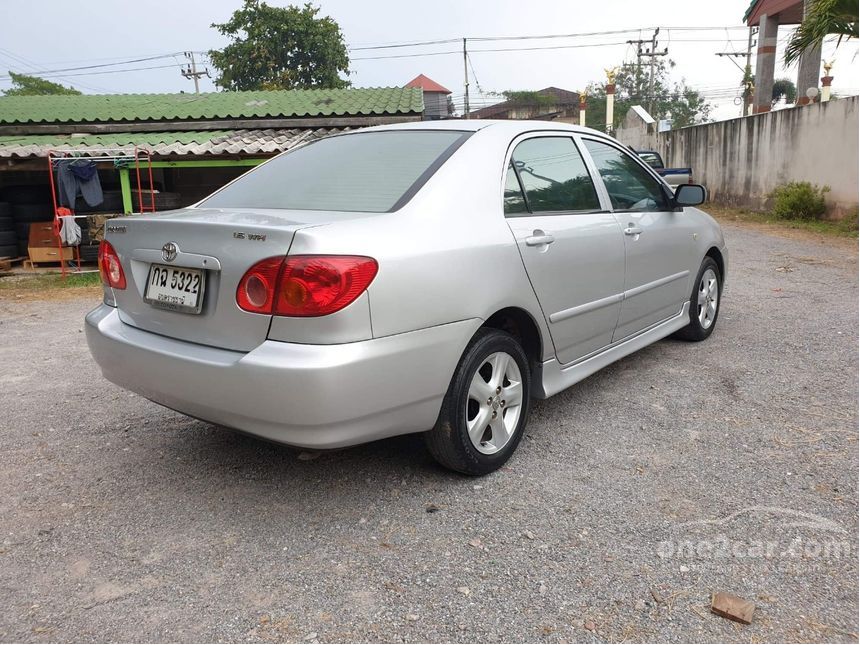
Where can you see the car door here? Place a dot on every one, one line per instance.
(658, 240)
(571, 245)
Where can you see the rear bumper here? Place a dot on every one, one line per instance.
(313, 396)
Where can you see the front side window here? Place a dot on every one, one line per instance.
(630, 186)
(373, 172)
(554, 175)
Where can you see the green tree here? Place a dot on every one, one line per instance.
(280, 48)
(23, 85)
(783, 88)
(678, 101)
(529, 97)
(825, 17)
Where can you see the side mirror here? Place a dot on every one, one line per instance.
(690, 195)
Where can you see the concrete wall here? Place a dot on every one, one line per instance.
(742, 160)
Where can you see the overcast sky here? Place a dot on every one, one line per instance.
(52, 34)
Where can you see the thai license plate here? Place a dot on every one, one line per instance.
(175, 288)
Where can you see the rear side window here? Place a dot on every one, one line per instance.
(372, 172)
(629, 185)
(554, 175)
(515, 203)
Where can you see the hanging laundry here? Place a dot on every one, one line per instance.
(70, 232)
(78, 177)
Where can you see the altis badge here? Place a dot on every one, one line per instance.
(254, 237)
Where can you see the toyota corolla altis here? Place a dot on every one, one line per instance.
(422, 277)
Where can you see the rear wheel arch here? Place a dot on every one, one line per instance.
(520, 324)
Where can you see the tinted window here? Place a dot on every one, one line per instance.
(369, 172)
(554, 176)
(514, 201)
(651, 159)
(629, 185)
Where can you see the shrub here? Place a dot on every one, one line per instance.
(798, 200)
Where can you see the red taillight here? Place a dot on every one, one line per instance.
(110, 267)
(256, 291)
(305, 285)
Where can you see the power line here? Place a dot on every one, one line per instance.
(415, 44)
(113, 71)
(123, 62)
(532, 37)
(492, 50)
(23, 61)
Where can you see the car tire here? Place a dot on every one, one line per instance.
(8, 238)
(492, 357)
(706, 297)
(33, 212)
(7, 224)
(163, 201)
(9, 251)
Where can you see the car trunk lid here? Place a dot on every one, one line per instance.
(221, 243)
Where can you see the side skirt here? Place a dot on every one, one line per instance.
(554, 378)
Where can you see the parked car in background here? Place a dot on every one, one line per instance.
(673, 176)
(422, 277)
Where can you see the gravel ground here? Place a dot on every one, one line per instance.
(678, 472)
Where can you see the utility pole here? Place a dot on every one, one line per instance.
(638, 76)
(653, 53)
(191, 72)
(747, 70)
(466, 80)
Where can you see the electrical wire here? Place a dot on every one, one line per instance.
(123, 62)
(113, 71)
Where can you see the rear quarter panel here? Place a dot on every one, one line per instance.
(446, 256)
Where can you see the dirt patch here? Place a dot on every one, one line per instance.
(25, 287)
(840, 238)
(13, 294)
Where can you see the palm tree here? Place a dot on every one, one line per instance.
(825, 17)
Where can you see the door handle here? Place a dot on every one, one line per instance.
(632, 230)
(539, 240)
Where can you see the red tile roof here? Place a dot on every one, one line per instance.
(427, 84)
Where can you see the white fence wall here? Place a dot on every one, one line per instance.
(744, 159)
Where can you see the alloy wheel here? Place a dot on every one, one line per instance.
(708, 298)
(494, 403)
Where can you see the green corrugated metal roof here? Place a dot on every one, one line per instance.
(216, 105)
(120, 139)
(253, 142)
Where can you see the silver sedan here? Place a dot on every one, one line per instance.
(423, 277)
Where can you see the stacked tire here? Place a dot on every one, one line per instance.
(163, 201)
(8, 236)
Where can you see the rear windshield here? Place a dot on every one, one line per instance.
(651, 159)
(372, 172)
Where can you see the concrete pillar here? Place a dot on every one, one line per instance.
(582, 108)
(765, 60)
(610, 107)
(809, 67)
(826, 81)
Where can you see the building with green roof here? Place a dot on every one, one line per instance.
(197, 142)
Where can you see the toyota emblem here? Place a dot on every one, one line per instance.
(169, 251)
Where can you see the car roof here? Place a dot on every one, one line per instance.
(512, 127)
